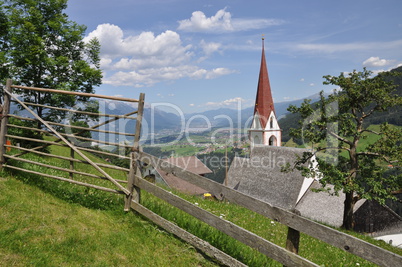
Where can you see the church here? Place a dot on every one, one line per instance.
(261, 176)
(264, 129)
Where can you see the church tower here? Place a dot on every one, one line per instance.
(264, 128)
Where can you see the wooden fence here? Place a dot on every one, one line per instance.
(70, 140)
(135, 183)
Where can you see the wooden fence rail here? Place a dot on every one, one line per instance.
(132, 186)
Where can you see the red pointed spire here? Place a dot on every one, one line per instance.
(264, 103)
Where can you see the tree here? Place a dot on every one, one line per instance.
(3, 43)
(43, 48)
(335, 125)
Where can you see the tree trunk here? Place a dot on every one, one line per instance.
(348, 216)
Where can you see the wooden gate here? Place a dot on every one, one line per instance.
(79, 154)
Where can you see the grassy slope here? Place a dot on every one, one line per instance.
(37, 228)
(363, 143)
(47, 222)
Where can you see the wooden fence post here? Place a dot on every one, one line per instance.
(71, 163)
(4, 121)
(135, 192)
(293, 238)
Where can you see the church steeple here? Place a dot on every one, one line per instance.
(264, 103)
(265, 129)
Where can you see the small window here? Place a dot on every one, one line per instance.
(271, 123)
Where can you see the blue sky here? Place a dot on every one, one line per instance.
(200, 55)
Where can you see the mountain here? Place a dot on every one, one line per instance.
(225, 117)
(393, 115)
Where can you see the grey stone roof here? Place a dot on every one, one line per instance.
(321, 206)
(261, 177)
(191, 164)
(179, 184)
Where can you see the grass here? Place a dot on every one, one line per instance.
(40, 229)
(182, 149)
(310, 248)
(44, 222)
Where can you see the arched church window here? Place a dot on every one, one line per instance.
(257, 140)
(271, 123)
(272, 141)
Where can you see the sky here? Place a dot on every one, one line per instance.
(200, 55)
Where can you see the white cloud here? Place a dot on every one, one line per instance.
(231, 103)
(311, 84)
(222, 22)
(148, 77)
(191, 105)
(347, 47)
(209, 48)
(217, 73)
(146, 59)
(377, 62)
(143, 50)
(302, 79)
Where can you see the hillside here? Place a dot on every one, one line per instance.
(392, 116)
(38, 228)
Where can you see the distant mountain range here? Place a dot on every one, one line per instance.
(159, 123)
(158, 120)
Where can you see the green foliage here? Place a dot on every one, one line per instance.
(336, 126)
(3, 43)
(42, 48)
(24, 133)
